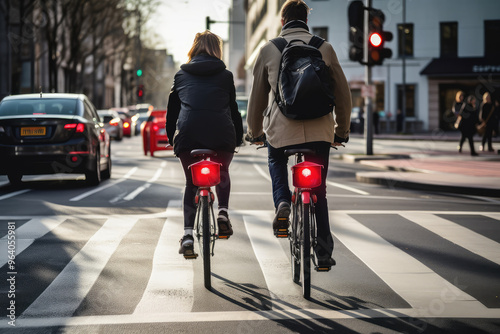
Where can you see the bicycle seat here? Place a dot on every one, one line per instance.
(203, 152)
(305, 151)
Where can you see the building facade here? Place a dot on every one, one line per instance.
(450, 45)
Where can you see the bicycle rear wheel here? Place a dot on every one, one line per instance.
(205, 247)
(305, 251)
(294, 248)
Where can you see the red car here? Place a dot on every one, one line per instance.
(154, 134)
(129, 121)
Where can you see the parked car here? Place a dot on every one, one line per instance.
(129, 122)
(52, 133)
(154, 134)
(242, 102)
(112, 123)
(142, 112)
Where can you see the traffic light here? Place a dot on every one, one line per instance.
(140, 93)
(356, 14)
(139, 72)
(377, 37)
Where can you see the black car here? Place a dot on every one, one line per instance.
(52, 133)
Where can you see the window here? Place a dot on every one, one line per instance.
(405, 31)
(491, 38)
(321, 32)
(410, 100)
(449, 39)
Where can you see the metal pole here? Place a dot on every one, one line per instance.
(403, 110)
(368, 82)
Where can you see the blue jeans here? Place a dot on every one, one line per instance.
(278, 168)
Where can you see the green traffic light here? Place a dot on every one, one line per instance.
(139, 72)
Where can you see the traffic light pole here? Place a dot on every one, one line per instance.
(368, 83)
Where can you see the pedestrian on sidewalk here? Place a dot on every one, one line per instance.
(488, 116)
(468, 124)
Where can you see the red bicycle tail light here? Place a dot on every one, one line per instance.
(205, 173)
(80, 127)
(306, 175)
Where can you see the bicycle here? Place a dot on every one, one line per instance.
(205, 174)
(303, 233)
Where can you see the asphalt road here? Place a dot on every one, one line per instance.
(104, 259)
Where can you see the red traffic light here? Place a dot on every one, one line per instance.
(140, 93)
(375, 39)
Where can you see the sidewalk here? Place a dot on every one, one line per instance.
(434, 171)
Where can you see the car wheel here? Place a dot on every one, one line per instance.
(15, 178)
(106, 174)
(145, 145)
(93, 177)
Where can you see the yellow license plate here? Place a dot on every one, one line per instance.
(33, 131)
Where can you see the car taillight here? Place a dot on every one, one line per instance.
(114, 121)
(80, 127)
(205, 173)
(306, 175)
(156, 127)
(126, 125)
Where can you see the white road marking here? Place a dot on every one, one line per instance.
(27, 233)
(274, 264)
(100, 188)
(417, 284)
(343, 186)
(464, 237)
(63, 296)
(262, 172)
(15, 193)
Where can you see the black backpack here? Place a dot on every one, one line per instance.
(305, 88)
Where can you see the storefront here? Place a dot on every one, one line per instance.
(447, 76)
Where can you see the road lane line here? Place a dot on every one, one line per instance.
(171, 284)
(27, 233)
(262, 172)
(343, 186)
(416, 283)
(100, 188)
(136, 192)
(249, 316)
(274, 263)
(457, 234)
(63, 296)
(156, 176)
(15, 193)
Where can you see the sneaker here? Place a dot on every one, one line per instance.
(224, 224)
(326, 262)
(280, 222)
(186, 247)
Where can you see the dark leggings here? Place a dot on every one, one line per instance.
(222, 189)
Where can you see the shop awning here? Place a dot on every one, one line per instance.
(462, 67)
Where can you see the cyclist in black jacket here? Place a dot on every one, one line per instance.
(202, 113)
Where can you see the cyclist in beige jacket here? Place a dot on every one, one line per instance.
(264, 117)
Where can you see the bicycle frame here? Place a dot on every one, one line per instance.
(205, 174)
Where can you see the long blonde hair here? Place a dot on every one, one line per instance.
(206, 42)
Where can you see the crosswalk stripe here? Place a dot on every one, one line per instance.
(63, 296)
(170, 286)
(272, 259)
(27, 233)
(421, 287)
(457, 234)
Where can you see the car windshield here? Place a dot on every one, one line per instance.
(38, 107)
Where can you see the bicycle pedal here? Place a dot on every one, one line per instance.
(281, 233)
(322, 269)
(223, 237)
(190, 256)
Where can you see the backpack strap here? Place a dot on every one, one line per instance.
(280, 43)
(316, 41)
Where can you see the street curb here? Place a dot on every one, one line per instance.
(429, 182)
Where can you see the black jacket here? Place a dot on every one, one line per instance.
(202, 111)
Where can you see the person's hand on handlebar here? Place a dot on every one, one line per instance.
(338, 142)
(260, 140)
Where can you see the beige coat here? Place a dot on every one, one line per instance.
(265, 116)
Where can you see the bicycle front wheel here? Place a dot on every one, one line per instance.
(305, 251)
(205, 220)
